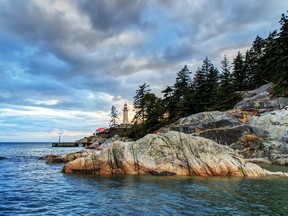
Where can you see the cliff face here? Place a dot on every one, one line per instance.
(221, 127)
(257, 128)
(172, 153)
(273, 128)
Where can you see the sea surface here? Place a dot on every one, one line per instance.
(28, 186)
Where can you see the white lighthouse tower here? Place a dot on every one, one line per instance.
(125, 114)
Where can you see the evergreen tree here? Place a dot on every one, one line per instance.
(153, 112)
(114, 117)
(138, 103)
(183, 82)
(251, 63)
(187, 104)
(212, 87)
(226, 96)
(182, 88)
(225, 77)
(264, 69)
(204, 82)
(249, 68)
(239, 75)
(273, 64)
(169, 102)
(152, 116)
(281, 65)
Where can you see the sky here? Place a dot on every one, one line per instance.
(64, 63)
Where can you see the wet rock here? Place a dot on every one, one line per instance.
(68, 157)
(49, 156)
(258, 160)
(171, 153)
(56, 160)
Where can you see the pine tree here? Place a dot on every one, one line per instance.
(114, 117)
(225, 77)
(182, 88)
(239, 75)
(183, 82)
(226, 96)
(151, 115)
(205, 81)
(249, 68)
(265, 67)
(153, 107)
(251, 63)
(281, 65)
(138, 103)
(212, 87)
(169, 102)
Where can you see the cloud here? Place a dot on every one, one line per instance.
(80, 57)
(21, 120)
(114, 15)
(43, 102)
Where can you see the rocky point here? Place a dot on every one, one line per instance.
(172, 153)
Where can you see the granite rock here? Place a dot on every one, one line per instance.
(68, 157)
(171, 153)
(261, 99)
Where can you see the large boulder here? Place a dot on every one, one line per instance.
(91, 139)
(96, 143)
(222, 127)
(273, 127)
(54, 159)
(261, 99)
(253, 134)
(205, 120)
(49, 157)
(113, 140)
(172, 153)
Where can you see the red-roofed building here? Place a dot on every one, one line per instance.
(99, 130)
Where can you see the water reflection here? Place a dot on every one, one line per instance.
(30, 186)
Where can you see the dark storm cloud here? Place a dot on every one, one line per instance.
(206, 21)
(113, 15)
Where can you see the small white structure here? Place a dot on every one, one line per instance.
(125, 114)
(126, 123)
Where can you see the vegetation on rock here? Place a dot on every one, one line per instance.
(266, 61)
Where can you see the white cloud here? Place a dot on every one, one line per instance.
(28, 122)
(232, 53)
(43, 102)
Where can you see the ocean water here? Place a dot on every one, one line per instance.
(30, 187)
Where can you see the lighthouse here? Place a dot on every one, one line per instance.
(125, 114)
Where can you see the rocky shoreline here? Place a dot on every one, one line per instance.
(204, 144)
